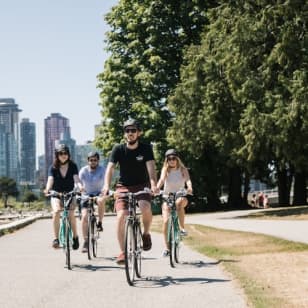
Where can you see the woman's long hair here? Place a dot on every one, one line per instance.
(179, 165)
(57, 163)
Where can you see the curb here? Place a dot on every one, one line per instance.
(15, 225)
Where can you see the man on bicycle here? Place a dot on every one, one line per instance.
(62, 177)
(92, 180)
(137, 171)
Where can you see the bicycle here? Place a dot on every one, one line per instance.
(133, 236)
(92, 232)
(65, 231)
(174, 235)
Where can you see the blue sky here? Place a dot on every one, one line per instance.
(50, 54)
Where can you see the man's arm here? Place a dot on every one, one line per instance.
(108, 177)
(152, 175)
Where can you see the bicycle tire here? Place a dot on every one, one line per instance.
(67, 244)
(130, 260)
(138, 253)
(171, 242)
(89, 247)
(177, 240)
(94, 236)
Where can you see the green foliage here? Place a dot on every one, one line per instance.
(243, 90)
(146, 43)
(29, 197)
(7, 188)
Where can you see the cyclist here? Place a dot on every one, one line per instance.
(62, 177)
(174, 176)
(92, 180)
(137, 170)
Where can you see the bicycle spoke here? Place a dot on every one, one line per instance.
(138, 251)
(129, 253)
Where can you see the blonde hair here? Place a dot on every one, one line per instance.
(180, 165)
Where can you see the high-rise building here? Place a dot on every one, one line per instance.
(9, 138)
(27, 151)
(55, 125)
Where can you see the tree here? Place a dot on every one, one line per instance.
(146, 42)
(243, 94)
(29, 197)
(7, 188)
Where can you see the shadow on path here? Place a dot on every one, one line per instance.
(159, 282)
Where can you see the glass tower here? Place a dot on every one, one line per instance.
(27, 151)
(9, 138)
(55, 125)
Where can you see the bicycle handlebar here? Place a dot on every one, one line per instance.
(53, 193)
(145, 190)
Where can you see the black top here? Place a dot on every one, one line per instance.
(63, 184)
(132, 163)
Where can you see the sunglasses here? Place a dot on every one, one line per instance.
(130, 130)
(171, 158)
(93, 160)
(63, 153)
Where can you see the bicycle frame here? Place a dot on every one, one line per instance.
(174, 237)
(65, 231)
(92, 232)
(133, 237)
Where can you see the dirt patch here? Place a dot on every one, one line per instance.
(283, 275)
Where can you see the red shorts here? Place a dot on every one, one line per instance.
(121, 203)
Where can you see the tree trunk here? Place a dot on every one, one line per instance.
(283, 187)
(235, 198)
(246, 189)
(299, 191)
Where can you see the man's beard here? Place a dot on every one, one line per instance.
(132, 142)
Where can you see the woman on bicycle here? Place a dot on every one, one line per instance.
(174, 176)
(62, 177)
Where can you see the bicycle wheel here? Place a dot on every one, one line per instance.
(89, 248)
(130, 260)
(177, 240)
(138, 256)
(171, 241)
(94, 237)
(67, 244)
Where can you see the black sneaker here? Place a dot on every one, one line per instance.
(75, 243)
(99, 226)
(56, 243)
(147, 243)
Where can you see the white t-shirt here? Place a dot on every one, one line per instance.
(174, 182)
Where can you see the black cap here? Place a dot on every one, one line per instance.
(171, 152)
(131, 122)
(62, 148)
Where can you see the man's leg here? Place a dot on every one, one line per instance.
(146, 211)
(145, 207)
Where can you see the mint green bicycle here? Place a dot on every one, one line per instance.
(174, 235)
(65, 232)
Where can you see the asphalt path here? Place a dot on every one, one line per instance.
(32, 274)
(292, 230)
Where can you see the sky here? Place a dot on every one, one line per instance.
(51, 52)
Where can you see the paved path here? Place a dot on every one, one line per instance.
(293, 230)
(33, 275)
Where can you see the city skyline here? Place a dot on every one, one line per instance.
(50, 57)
